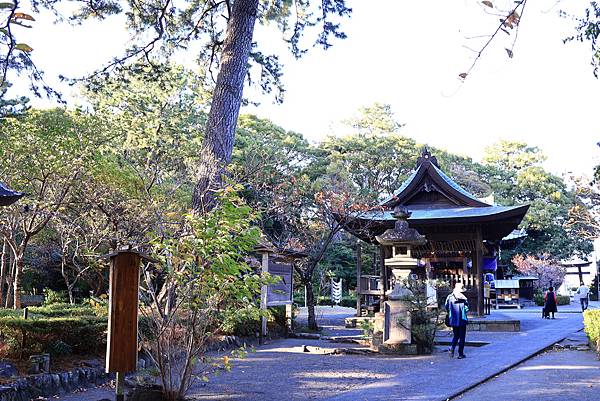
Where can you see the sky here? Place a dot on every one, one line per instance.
(408, 53)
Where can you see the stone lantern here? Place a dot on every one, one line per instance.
(394, 321)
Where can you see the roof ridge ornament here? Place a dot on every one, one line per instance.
(427, 157)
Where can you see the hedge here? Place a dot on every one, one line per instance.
(560, 299)
(80, 335)
(591, 321)
(61, 310)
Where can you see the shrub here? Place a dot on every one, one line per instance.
(538, 298)
(591, 321)
(59, 348)
(54, 297)
(4, 312)
(99, 305)
(61, 310)
(242, 322)
(84, 334)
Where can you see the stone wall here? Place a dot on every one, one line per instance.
(50, 384)
(494, 325)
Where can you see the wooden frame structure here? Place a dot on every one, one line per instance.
(507, 293)
(460, 228)
(279, 263)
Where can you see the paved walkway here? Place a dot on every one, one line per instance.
(454, 376)
(281, 370)
(555, 375)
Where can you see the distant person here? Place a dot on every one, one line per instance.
(583, 293)
(550, 303)
(457, 307)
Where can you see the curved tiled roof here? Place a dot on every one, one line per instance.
(454, 185)
(445, 213)
(8, 196)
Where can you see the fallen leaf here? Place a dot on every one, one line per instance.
(509, 52)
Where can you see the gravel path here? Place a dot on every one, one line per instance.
(282, 371)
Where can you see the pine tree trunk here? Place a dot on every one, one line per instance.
(227, 97)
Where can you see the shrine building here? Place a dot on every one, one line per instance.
(463, 233)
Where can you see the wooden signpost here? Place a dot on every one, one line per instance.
(122, 342)
(277, 263)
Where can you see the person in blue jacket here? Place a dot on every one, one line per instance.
(457, 307)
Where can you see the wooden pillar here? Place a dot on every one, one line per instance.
(478, 270)
(289, 317)
(383, 277)
(358, 274)
(263, 298)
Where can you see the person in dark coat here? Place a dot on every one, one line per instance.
(550, 303)
(457, 307)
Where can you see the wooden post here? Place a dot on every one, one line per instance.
(358, 274)
(122, 345)
(289, 318)
(478, 270)
(383, 276)
(263, 299)
(120, 387)
(121, 355)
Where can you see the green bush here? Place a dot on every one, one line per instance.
(241, 322)
(54, 297)
(591, 321)
(59, 348)
(62, 310)
(4, 312)
(538, 298)
(83, 334)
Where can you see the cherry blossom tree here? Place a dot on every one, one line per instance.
(548, 270)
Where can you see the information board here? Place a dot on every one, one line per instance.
(280, 293)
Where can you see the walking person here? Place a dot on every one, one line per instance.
(457, 307)
(583, 293)
(550, 303)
